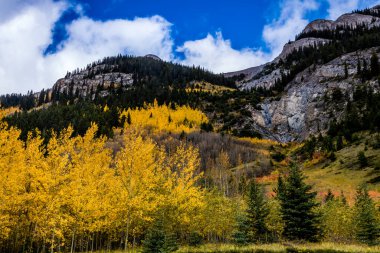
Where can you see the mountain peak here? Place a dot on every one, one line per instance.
(154, 57)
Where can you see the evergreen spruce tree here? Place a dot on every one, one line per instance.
(364, 71)
(374, 65)
(339, 142)
(345, 70)
(159, 240)
(251, 226)
(240, 236)
(363, 161)
(329, 197)
(41, 98)
(155, 238)
(257, 212)
(297, 207)
(368, 227)
(129, 119)
(170, 243)
(343, 198)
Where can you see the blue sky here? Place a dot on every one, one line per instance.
(40, 40)
(242, 21)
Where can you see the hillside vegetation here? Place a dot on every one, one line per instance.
(162, 176)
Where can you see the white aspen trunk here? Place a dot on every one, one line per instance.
(52, 243)
(92, 243)
(126, 236)
(221, 180)
(72, 242)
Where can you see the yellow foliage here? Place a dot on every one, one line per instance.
(74, 187)
(337, 221)
(164, 118)
(208, 87)
(151, 181)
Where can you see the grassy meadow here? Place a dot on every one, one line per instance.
(344, 175)
(272, 248)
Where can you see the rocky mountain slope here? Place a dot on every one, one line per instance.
(305, 107)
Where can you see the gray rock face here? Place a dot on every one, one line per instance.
(306, 107)
(265, 75)
(154, 57)
(319, 25)
(349, 20)
(87, 81)
(265, 81)
(249, 73)
(306, 42)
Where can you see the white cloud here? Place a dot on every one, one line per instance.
(339, 7)
(25, 36)
(23, 39)
(217, 54)
(291, 22)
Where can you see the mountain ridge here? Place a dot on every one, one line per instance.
(287, 99)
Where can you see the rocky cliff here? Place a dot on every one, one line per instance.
(86, 82)
(306, 106)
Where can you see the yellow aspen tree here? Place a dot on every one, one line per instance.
(138, 176)
(91, 175)
(164, 118)
(59, 167)
(185, 198)
(223, 166)
(12, 163)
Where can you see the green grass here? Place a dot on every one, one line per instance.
(272, 248)
(345, 173)
(342, 175)
(269, 248)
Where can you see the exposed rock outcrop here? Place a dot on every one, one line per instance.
(306, 107)
(265, 75)
(88, 81)
(351, 20)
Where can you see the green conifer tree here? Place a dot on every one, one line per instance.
(257, 212)
(367, 223)
(374, 65)
(155, 238)
(339, 142)
(240, 236)
(129, 119)
(297, 207)
(329, 197)
(363, 161)
(345, 70)
(159, 240)
(251, 225)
